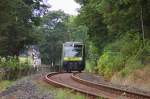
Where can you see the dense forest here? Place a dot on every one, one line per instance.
(17, 21)
(118, 38)
(115, 32)
(119, 33)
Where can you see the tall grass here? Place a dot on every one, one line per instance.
(90, 65)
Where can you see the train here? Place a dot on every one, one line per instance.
(73, 56)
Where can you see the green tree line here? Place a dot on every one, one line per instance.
(118, 34)
(115, 32)
(28, 22)
(58, 27)
(17, 21)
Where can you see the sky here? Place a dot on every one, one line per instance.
(68, 6)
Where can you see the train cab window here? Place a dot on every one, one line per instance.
(73, 51)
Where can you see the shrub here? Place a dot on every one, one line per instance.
(90, 65)
(110, 62)
(12, 67)
(131, 65)
(125, 54)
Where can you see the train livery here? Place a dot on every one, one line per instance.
(73, 56)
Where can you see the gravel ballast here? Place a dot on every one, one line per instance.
(100, 80)
(26, 88)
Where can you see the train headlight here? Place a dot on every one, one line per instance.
(80, 58)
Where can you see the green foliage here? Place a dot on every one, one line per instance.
(58, 27)
(11, 68)
(12, 63)
(92, 19)
(64, 94)
(110, 63)
(90, 65)
(17, 18)
(91, 56)
(131, 65)
(92, 50)
(5, 84)
(122, 55)
(119, 29)
(129, 44)
(54, 32)
(76, 32)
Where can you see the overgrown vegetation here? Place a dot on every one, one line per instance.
(17, 21)
(5, 84)
(58, 27)
(116, 33)
(11, 68)
(119, 32)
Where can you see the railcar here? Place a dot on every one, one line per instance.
(73, 56)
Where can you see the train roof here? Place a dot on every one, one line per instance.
(68, 43)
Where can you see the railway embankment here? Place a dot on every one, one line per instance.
(138, 79)
(97, 79)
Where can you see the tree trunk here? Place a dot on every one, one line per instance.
(142, 26)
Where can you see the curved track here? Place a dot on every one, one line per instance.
(65, 80)
(112, 89)
(71, 81)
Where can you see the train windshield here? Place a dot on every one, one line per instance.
(73, 51)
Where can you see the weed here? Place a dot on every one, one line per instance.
(5, 84)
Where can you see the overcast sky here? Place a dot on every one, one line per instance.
(68, 6)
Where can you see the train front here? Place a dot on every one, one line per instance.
(73, 56)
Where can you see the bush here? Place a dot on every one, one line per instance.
(92, 56)
(13, 68)
(131, 65)
(109, 63)
(90, 65)
(12, 63)
(125, 54)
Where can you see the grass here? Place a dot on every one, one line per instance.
(5, 84)
(62, 93)
(68, 94)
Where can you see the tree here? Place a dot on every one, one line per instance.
(17, 18)
(76, 32)
(116, 25)
(54, 29)
(93, 20)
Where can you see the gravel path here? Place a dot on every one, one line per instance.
(27, 88)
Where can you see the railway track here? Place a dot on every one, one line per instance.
(73, 82)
